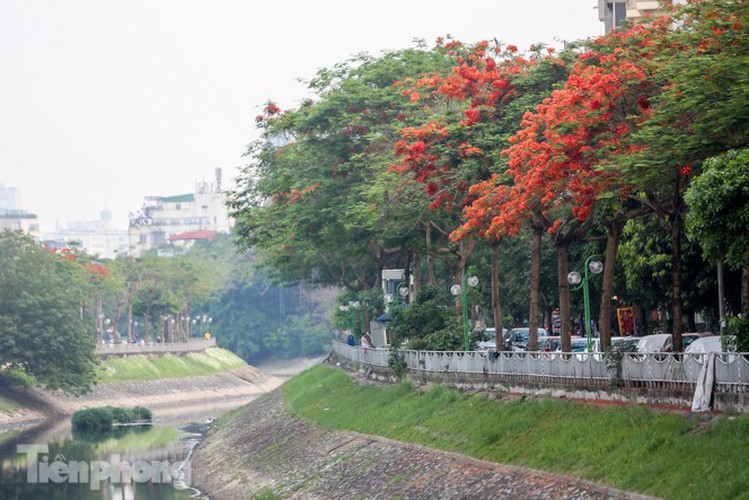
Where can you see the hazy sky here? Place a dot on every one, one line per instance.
(103, 102)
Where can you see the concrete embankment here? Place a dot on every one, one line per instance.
(162, 396)
(262, 448)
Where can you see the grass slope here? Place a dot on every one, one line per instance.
(168, 366)
(633, 448)
(7, 406)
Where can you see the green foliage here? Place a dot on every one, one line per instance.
(103, 418)
(317, 201)
(718, 199)
(632, 448)
(397, 361)
(42, 331)
(614, 355)
(427, 323)
(16, 376)
(258, 320)
(738, 327)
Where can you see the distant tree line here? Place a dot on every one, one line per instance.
(57, 305)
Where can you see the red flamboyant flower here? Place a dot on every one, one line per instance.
(434, 152)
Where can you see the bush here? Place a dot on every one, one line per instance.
(739, 328)
(93, 419)
(102, 419)
(427, 323)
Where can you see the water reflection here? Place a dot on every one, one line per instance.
(127, 463)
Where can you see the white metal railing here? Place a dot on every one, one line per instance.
(663, 370)
(193, 345)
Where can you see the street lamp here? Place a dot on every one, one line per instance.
(574, 279)
(456, 290)
(399, 297)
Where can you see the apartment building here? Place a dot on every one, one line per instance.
(167, 223)
(614, 12)
(95, 237)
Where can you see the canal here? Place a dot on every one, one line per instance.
(50, 461)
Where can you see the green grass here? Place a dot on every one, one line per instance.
(8, 435)
(7, 406)
(14, 376)
(633, 448)
(147, 368)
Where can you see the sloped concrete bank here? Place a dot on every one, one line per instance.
(162, 396)
(263, 449)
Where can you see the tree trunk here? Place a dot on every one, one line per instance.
(535, 278)
(115, 322)
(646, 319)
(430, 261)
(607, 290)
(564, 296)
(744, 286)
(416, 272)
(130, 319)
(676, 304)
(496, 302)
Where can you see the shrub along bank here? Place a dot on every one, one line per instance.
(103, 418)
(633, 448)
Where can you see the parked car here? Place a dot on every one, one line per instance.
(490, 341)
(519, 338)
(689, 337)
(634, 341)
(550, 343)
(660, 342)
(705, 344)
(579, 346)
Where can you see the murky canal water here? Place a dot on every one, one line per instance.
(49, 462)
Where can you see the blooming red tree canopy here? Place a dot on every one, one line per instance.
(449, 154)
(563, 158)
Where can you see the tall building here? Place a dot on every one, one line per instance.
(9, 198)
(19, 220)
(14, 218)
(95, 237)
(614, 12)
(166, 223)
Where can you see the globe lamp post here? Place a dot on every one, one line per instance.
(575, 279)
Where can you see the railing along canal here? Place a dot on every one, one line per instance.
(676, 371)
(194, 345)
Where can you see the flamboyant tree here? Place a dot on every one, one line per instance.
(562, 161)
(459, 146)
(532, 81)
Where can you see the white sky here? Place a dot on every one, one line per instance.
(103, 102)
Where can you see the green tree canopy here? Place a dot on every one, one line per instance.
(718, 200)
(42, 328)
